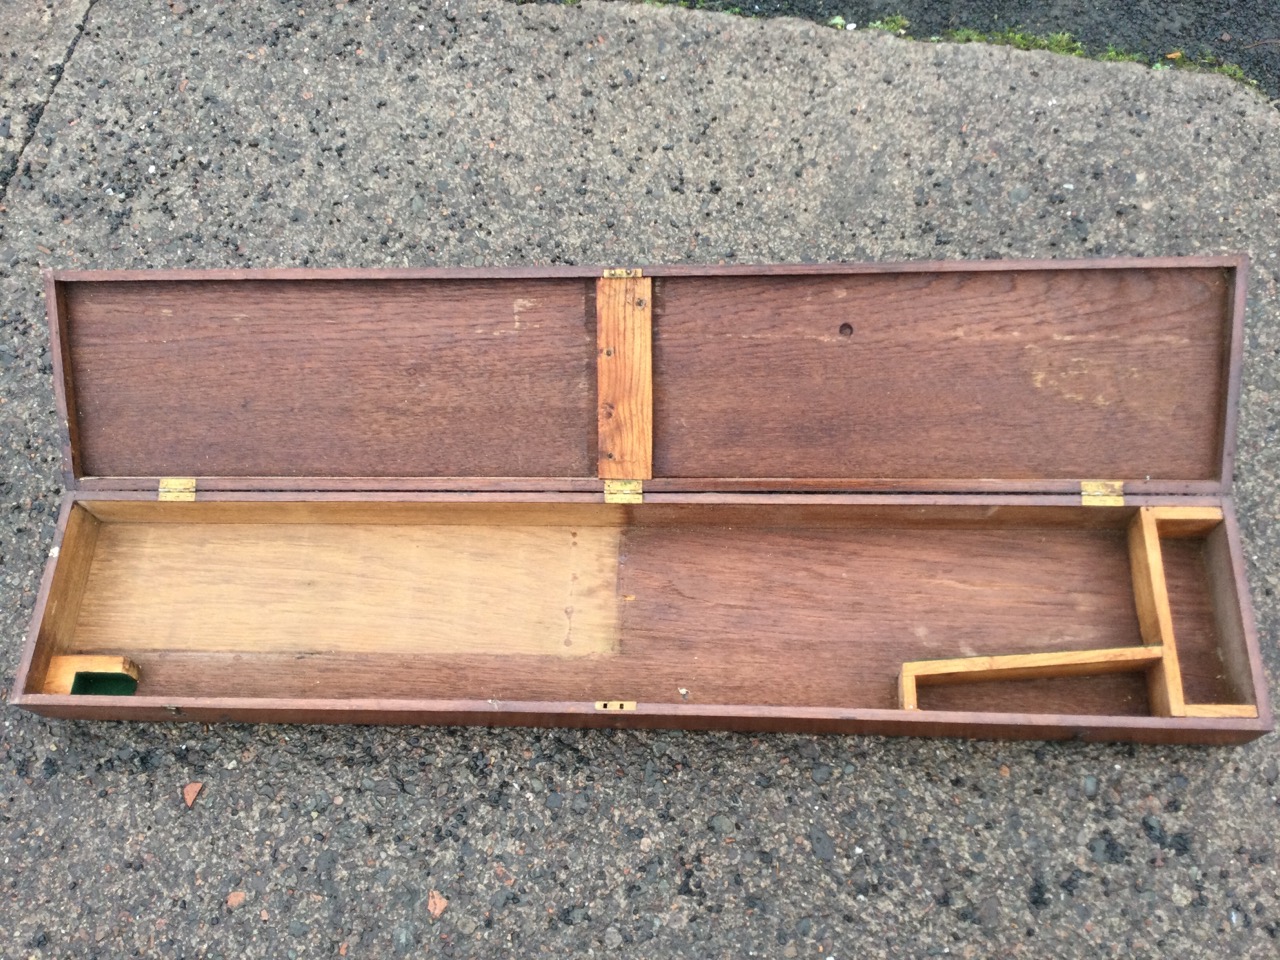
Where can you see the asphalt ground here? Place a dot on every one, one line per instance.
(482, 132)
(1245, 33)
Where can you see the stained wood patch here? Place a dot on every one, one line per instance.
(391, 378)
(624, 335)
(1031, 376)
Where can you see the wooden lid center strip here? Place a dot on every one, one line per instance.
(624, 370)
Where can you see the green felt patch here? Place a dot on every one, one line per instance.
(104, 684)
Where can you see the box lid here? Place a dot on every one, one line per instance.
(992, 376)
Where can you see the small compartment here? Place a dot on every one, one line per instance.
(676, 606)
(1206, 615)
(1194, 661)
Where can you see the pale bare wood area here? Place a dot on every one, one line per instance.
(355, 588)
(62, 671)
(624, 369)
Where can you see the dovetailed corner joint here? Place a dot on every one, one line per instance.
(1102, 493)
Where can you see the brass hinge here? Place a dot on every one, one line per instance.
(1102, 493)
(616, 706)
(177, 488)
(622, 273)
(624, 491)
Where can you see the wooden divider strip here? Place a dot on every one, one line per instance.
(1021, 666)
(1151, 594)
(1195, 523)
(1186, 523)
(624, 371)
(1245, 711)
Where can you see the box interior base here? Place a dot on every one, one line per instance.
(779, 605)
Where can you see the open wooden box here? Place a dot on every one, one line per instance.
(985, 499)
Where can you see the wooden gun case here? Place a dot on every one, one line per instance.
(960, 498)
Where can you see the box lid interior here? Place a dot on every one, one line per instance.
(1017, 377)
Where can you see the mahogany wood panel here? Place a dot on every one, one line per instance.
(1025, 375)
(367, 378)
(916, 515)
(624, 337)
(367, 487)
(1237, 262)
(63, 388)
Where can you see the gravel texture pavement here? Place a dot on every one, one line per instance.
(482, 132)
(35, 43)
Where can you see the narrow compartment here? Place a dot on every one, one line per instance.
(1207, 619)
(720, 604)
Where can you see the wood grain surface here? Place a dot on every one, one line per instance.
(1036, 376)
(353, 588)
(72, 566)
(325, 378)
(1242, 678)
(1151, 596)
(810, 613)
(624, 337)
(1212, 656)
(1222, 710)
